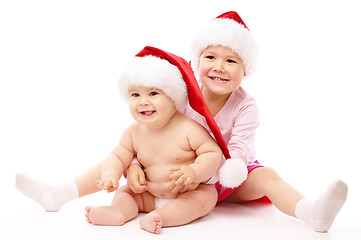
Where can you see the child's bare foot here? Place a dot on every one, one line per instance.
(152, 222)
(110, 216)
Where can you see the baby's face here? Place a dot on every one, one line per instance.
(150, 106)
(220, 70)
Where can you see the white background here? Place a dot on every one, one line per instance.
(61, 113)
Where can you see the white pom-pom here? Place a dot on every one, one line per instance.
(233, 173)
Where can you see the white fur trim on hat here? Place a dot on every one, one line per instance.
(227, 33)
(154, 72)
(233, 173)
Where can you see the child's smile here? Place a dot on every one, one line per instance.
(218, 79)
(220, 70)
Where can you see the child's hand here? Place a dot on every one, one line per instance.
(109, 183)
(182, 175)
(136, 179)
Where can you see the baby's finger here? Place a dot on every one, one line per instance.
(177, 188)
(137, 188)
(184, 189)
(100, 184)
(171, 186)
(142, 180)
(107, 185)
(114, 185)
(188, 181)
(112, 189)
(189, 187)
(181, 180)
(176, 175)
(174, 169)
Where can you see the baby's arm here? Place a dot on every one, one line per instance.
(117, 161)
(208, 161)
(136, 178)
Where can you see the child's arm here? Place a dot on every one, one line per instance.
(117, 161)
(207, 163)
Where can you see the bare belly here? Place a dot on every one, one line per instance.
(158, 177)
(160, 190)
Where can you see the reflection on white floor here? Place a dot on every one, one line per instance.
(22, 218)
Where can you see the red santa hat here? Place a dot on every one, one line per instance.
(153, 67)
(227, 30)
(150, 70)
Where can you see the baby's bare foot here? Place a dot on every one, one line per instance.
(110, 216)
(152, 222)
(87, 211)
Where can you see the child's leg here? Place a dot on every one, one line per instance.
(321, 212)
(86, 181)
(266, 182)
(125, 206)
(182, 210)
(52, 197)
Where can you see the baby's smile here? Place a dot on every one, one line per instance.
(147, 113)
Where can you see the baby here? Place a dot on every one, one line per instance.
(169, 145)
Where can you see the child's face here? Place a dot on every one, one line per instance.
(151, 107)
(220, 70)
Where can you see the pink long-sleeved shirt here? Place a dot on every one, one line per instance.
(237, 121)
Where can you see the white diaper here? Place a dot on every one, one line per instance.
(160, 202)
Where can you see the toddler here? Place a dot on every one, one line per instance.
(224, 52)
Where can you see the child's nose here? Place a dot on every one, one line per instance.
(218, 66)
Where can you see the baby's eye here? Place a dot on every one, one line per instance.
(231, 61)
(134, 95)
(153, 93)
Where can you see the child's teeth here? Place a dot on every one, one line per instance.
(219, 79)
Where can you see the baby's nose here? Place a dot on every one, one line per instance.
(144, 101)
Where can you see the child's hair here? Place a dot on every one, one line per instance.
(154, 72)
(227, 30)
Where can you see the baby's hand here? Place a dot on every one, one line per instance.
(181, 188)
(182, 175)
(109, 183)
(136, 179)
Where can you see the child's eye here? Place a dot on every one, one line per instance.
(209, 57)
(134, 95)
(153, 93)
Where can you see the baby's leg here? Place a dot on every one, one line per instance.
(105, 215)
(185, 208)
(124, 208)
(152, 222)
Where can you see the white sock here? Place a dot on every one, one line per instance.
(50, 197)
(321, 213)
